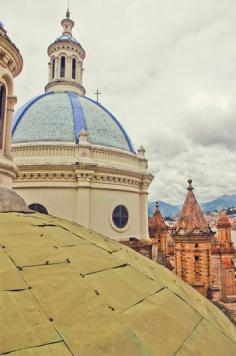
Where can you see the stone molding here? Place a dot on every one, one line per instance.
(11, 101)
(84, 173)
(10, 56)
(61, 82)
(70, 152)
(65, 46)
(7, 167)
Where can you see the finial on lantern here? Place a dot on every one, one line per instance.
(190, 184)
(68, 10)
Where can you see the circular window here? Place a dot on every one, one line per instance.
(120, 216)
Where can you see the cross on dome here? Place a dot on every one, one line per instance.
(97, 93)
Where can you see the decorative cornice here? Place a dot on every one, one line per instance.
(66, 45)
(10, 56)
(68, 83)
(101, 151)
(86, 173)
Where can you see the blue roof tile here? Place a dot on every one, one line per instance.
(60, 117)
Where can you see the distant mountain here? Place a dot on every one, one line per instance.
(165, 208)
(223, 202)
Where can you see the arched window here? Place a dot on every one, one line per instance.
(53, 68)
(2, 111)
(39, 208)
(63, 66)
(73, 68)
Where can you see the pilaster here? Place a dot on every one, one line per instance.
(11, 101)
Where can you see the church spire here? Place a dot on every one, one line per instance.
(192, 244)
(157, 221)
(66, 61)
(191, 218)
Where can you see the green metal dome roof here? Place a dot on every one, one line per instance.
(66, 290)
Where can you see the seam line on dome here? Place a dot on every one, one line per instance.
(25, 108)
(62, 339)
(128, 140)
(35, 347)
(78, 114)
(143, 299)
(186, 339)
(105, 269)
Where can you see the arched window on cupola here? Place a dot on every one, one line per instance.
(2, 111)
(63, 67)
(73, 68)
(53, 68)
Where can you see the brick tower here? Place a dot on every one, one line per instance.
(192, 242)
(224, 230)
(158, 232)
(223, 254)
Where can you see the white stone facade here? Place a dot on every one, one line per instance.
(87, 191)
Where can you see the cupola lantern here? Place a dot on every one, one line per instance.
(66, 61)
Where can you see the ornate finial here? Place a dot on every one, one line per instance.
(68, 10)
(190, 184)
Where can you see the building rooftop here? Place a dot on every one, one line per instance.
(66, 290)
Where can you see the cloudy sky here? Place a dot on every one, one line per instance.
(167, 71)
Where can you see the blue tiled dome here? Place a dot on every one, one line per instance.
(60, 116)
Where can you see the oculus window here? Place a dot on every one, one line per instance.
(120, 216)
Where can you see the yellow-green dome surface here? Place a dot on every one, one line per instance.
(66, 290)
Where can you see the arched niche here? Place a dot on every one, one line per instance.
(39, 208)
